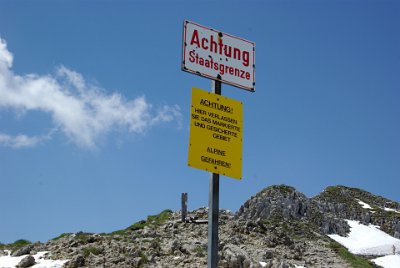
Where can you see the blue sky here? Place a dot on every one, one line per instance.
(94, 109)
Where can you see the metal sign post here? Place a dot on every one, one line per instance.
(213, 206)
(215, 143)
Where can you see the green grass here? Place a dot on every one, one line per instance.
(17, 244)
(21, 243)
(353, 260)
(119, 232)
(160, 218)
(61, 236)
(143, 258)
(282, 188)
(138, 225)
(200, 251)
(294, 228)
(93, 250)
(152, 220)
(83, 237)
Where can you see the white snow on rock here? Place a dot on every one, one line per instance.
(363, 204)
(391, 209)
(11, 262)
(367, 240)
(390, 261)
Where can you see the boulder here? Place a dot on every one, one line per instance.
(28, 261)
(235, 257)
(75, 262)
(25, 250)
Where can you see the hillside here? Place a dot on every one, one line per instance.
(278, 227)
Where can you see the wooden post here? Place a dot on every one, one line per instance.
(184, 206)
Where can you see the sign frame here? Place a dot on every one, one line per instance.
(223, 66)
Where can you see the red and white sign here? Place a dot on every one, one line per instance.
(218, 56)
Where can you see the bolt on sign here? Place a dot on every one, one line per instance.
(216, 129)
(219, 56)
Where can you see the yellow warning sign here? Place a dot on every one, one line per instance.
(216, 130)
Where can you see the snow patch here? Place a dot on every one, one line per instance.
(391, 209)
(11, 262)
(367, 240)
(390, 261)
(363, 204)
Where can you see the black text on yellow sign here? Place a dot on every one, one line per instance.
(216, 130)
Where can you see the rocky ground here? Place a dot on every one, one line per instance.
(279, 227)
(176, 244)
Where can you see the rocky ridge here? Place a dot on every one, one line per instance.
(278, 227)
(327, 211)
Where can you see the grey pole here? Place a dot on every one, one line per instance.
(184, 200)
(213, 206)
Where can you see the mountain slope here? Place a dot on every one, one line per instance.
(278, 227)
(360, 205)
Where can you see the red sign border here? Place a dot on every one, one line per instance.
(184, 68)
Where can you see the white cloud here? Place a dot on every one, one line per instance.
(17, 141)
(81, 111)
(20, 141)
(6, 57)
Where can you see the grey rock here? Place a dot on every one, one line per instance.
(76, 262)
(366, 218)
(279, 200)
(284, 265)
(25, 250)
(136, 262)
(235, 257)
(334, 226)
(397, 227)
(269, 254)
(397, 235)
(175, 245)
(148, 232)
(28, 261)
